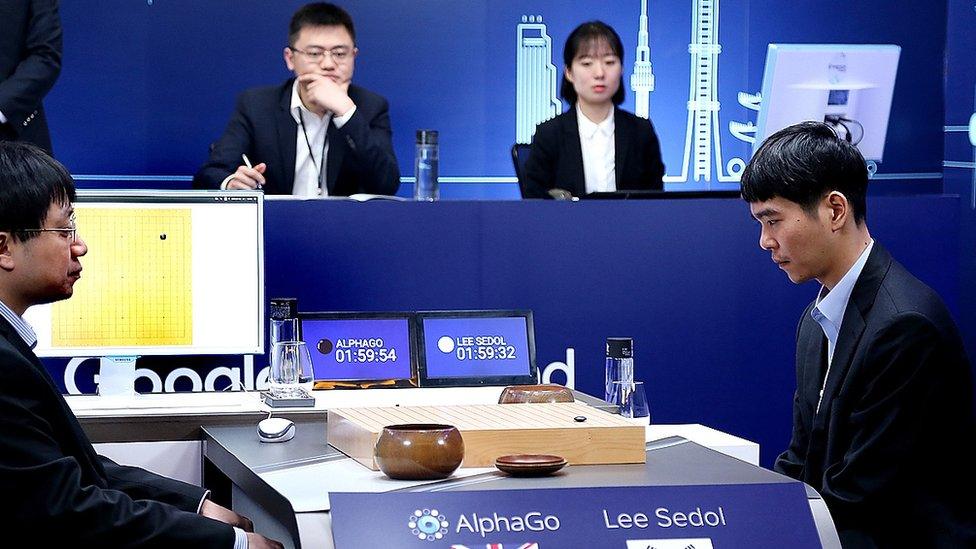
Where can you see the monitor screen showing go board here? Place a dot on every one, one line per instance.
(166, 273)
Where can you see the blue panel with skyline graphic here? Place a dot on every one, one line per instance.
(147, 86)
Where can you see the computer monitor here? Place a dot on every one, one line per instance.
(848, 86)
(464, 348)
(167, 273)
(361, 350)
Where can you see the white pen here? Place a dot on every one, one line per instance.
(247, 163)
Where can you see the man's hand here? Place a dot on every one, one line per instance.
(210, 509)
(257, 541)
(245, 178)
(325, 94)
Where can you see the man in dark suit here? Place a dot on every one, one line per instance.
(315, 135)
(883, 423)
(57, 492)
(30, 61)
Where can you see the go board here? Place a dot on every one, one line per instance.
(493, 430)
(136, 288)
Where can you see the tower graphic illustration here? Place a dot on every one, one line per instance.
(702, 135)
(642, 80)
(535, 78)
(972, 141)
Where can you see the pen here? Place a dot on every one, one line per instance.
(247, 163)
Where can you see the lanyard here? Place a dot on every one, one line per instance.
(320, 166)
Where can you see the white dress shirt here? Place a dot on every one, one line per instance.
(310, 164)
(831, 306)
(599, 152)
(240, 539)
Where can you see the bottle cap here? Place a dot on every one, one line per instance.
(426, 137)
(620, 347)
(284, 308)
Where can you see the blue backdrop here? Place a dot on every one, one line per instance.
(960, 149)
(147, 85)
(714, 320)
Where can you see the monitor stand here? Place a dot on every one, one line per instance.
(304, 401)
(117, 376)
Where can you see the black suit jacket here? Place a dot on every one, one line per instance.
(57, 492)
(30, 61)
(891, 449)
(556, 157)
(360, 158)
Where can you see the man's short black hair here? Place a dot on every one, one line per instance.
(804, 162)
(319, 14)
(30, 181)
(586, 37)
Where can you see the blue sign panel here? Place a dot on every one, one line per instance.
(633, 517)
(476, 347)
(359, 348)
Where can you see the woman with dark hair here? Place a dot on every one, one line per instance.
(594, 146)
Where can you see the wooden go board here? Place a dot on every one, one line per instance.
(493, 430)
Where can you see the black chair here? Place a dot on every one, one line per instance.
(520, 155)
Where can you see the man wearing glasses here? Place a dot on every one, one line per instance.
(315, 135)
(57, 491)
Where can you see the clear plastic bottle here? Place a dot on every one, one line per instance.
(619, 367)
(426, 187)
(285, 327)
(283, 321)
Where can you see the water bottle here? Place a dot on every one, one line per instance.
(286, 328)
(284, 321)
(425, 167)
(620, 366)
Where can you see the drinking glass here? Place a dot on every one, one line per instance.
(291, 370)
(632, 400)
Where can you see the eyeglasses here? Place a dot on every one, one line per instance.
(339, 55)
(69, 233)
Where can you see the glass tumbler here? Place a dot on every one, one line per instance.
(291, 370)
(632, 400)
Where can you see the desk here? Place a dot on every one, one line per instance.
(162, 432)
(284, 487)
(178, 416)
(274, 481)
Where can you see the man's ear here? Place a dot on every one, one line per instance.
(6, 251)
(289, 59)
(840, 209)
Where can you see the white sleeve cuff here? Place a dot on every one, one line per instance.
(240, 539)
(206, 496)
(340, 121)
(226, 181)
(3, 119)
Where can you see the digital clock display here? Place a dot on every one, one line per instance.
(357, 349)
(476, 347)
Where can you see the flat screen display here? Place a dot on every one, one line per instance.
(477, 347)
(166, 273)
(359, 348)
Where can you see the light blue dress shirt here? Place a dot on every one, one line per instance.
(21, 326)
(831, 306)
